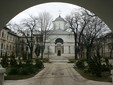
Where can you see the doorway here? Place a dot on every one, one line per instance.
(59, 53)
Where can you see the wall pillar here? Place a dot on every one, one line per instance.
(2, 71)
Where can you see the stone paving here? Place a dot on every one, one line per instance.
(56, 74)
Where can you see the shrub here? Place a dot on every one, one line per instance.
(39, 64)
(24, 69)
(4, 61)
(80, 64)
(95, 66)
(86, 70)
(46, 60)
(13, 61)
(13, 71)
(106, 67)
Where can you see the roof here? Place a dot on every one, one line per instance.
(57, 32)
(59, 18)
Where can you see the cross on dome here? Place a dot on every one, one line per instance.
(59, 13)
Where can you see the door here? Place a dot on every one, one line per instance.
(59, 53)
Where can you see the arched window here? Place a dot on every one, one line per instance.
(3, 34)
(59, 40)
(2, 46)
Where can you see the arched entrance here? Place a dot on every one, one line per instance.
(59, 48)
(59, 53)
(16, 6)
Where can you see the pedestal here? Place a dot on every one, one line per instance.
(112, 75)
(2, 71)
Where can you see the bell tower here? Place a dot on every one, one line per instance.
(59, 23)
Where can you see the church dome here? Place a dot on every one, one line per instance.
(59, 18)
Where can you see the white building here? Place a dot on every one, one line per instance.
(59, 42)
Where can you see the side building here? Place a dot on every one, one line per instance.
(8, 42)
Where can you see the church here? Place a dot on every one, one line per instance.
(59, 42)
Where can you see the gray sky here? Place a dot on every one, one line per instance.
(53, 8)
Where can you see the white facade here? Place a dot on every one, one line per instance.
(59, 42)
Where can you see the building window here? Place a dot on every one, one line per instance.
(7, 47)
(3, 34)
(2, 46)
(10, 47)
(26, 48)
(1, 53)
(69, 49)
(59, 40)
(7, 37)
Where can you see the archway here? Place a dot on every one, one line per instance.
(105, 15)
(59, 53)
(60, 41)
(11, 8)
(59, 48)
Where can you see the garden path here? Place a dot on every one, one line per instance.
(56, 74)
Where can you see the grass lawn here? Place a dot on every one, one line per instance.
(18, 77)
(105, 76)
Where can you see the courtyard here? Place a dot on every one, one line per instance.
(56, 74)
(82, 36)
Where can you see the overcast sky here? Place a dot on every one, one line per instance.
(53, 8)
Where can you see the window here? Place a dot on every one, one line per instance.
(3, 34)
(7, 47)
(7, 37)
(1, 45)
(10, 47)
(59, 40)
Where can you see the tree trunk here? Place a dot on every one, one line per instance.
(111, 52)
(88, 53)
(75, 38)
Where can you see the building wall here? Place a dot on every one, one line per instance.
(59, 25)
(67, 46)
(7, 42)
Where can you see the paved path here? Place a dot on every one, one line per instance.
(56, 74)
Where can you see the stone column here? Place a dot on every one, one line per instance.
(2, 71)
(112, 75)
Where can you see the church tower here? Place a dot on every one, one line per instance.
(59, 42)
(59, 23)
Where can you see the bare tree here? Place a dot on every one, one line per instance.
(87, 28)
(77, 23)
(73, 22)
(109, 42)
(26, 29)
(92, 31)
(44, 25)
(40, 24)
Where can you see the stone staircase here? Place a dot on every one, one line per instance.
(58, 59)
